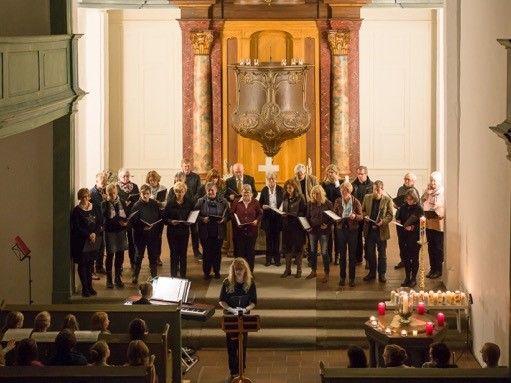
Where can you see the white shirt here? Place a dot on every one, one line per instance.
(273, 197)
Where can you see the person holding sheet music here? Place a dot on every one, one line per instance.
(147, 223)
(293, 235)
(318, 233)
(214, 213)
(378, 212)
(247, 213)
(212, 175)
(433, 199)
(362, 186)
(116, 222)
(235, 183)
(159, 194)
(332, 184)
(175, 215)
(350, 210)
(86, 227)
(193, 183)
(408, 184)
(97, 196)
(409, 216)
(129, 194)
(271, 199)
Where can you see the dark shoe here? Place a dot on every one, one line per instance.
(100, 270)
(207, 277)
(85, 294)
(382, 279)
(109, 284)
(267, 264)
(93, 292)
(428, 275)
(352, 283)
(342, 282)
(286, 273)
(405, 283)
(412, 283)
(95, 277)
(119, 283)
(435, 275)
(298, 274)
(311, 275)
(278, 264)
(400, 265)
(217, 275)
(369, 277)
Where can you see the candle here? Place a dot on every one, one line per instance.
(393, 297)
(404, 333)
(421, 308)
(381, 308)
(372, 317)
(429, 328)
(415, 332)
(440, 319)
(388, 331)
(405, 304)
(374, 323)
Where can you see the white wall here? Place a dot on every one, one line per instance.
(396, 96)
(483, 174)
(26, 209)
(92, 121)
(145, 92)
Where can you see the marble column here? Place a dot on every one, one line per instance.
(202, 125)
(340, 106)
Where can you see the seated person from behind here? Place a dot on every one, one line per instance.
(440, 356)
(138, 355)
(71, 323)
(65, 355)
(491, 355)
(394, 356)
(100, 322)
(138, 329)
(146, 290)
(42, 322)
(13, 320)
(99, 354)
(28, 353)
(356, 357)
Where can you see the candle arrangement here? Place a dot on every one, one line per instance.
(432, 298)
(404, 307)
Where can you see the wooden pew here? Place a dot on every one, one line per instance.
(415, 375)
(75, 374)
(156, 342)
(156, 317)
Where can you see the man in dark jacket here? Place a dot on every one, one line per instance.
(97, 196)
(193, 184)
(272, 196)
(361, 186)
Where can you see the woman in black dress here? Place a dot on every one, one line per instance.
(293, 235)
(238, 294)
(175, 215)
(86, 222)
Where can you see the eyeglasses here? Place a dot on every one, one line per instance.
(407, 179)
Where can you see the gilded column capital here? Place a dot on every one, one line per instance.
(201, 42)
(339, 42)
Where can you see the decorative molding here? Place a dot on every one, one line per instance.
(503, 130)
(201, 42)
(339, 42)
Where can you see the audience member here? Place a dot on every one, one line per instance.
(7, 355)
(491, 355)
(440, 356)
(138, 329)
(138, 355)
(27, 353)
(394, 356)
(42, 321)
(13, 319)
(146, 290)
(71, 323)
(356, 357)
(65, 355)
(100, 322)
(99, 354)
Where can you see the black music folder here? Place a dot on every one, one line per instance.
(431, 214)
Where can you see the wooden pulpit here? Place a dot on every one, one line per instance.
(239, 324)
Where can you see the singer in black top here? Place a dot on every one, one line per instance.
(86, 227)
(272, 196)
(146, 228)
(409, 216)
(214, 213)
(177, 210)
(238, 294)
(128, 193)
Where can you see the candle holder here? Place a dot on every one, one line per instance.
(404, 308)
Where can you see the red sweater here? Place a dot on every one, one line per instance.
(247, 214)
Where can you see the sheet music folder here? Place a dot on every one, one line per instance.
(431, 214)
(173, 290)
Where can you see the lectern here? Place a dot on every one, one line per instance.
(240, 324)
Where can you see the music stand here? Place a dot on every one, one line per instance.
(239, 324)
(21, 251)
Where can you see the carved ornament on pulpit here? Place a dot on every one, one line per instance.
(271, 103)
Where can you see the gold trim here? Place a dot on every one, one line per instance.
(201, 42)
(339, 42)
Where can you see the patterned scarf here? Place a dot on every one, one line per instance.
(347, 208)
(126, 187)
(116, 208)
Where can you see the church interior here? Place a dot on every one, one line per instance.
(396, 87)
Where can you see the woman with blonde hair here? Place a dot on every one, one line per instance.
(100, 322)
(237, 297)
(332, 186)
(13, 319)
(319, 231)
(42, 321)
(71, 323)
(99, 354)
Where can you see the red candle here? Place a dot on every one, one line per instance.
(429, 328)
(421, 308)
(381, 308)
(440, 319)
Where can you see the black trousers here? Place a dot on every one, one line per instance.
(232, 352)
(178, 244)
(212, 254)
(333, 247)
(132, 251)
(347, 243)
(101, 254)
(435, 249)
(272, 244)
(147, 240)
(401, 242)
(194, 231)
(360, 244)
(373, 243)
(85, 269)
(117, 259)
(245, 248)
(410, 255)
